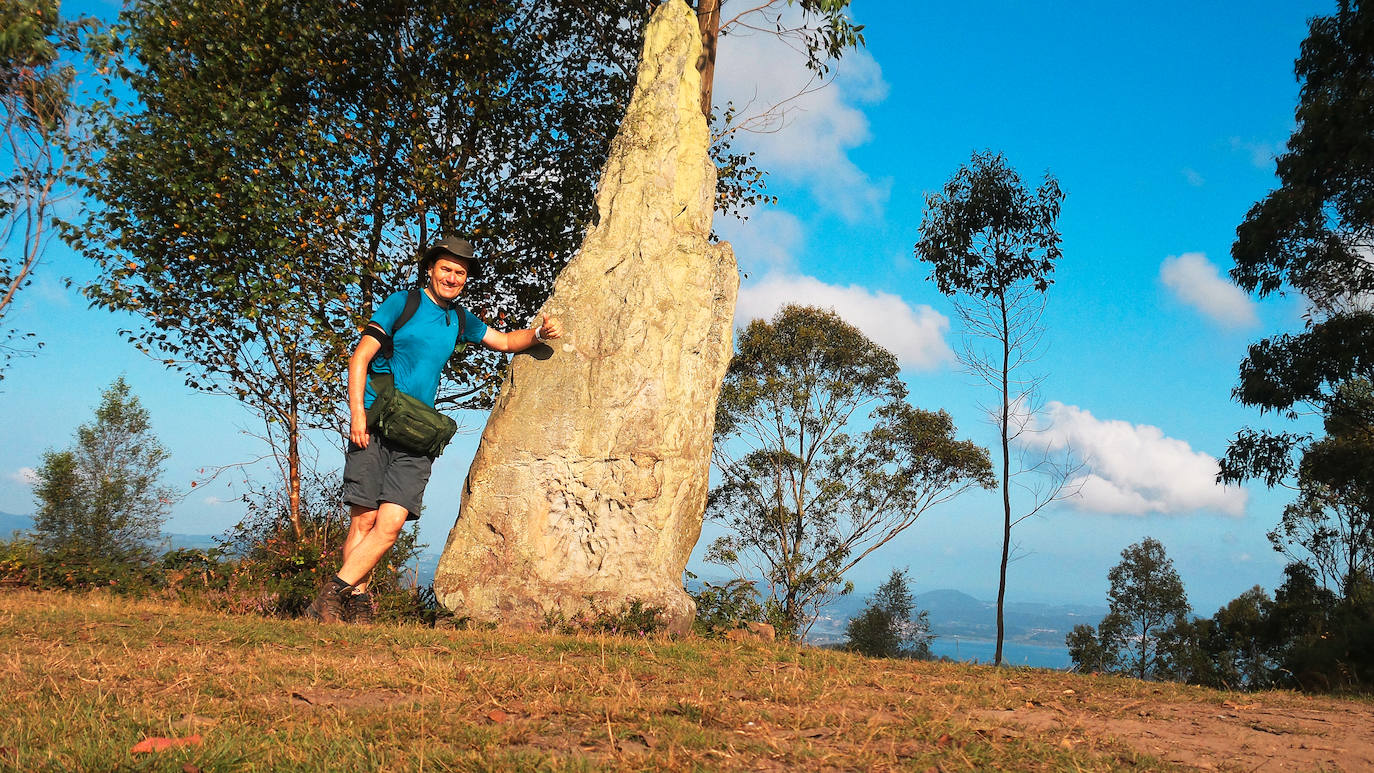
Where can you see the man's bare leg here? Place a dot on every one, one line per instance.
(361, 522)
(359, 561)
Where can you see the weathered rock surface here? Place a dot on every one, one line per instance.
(590, 480)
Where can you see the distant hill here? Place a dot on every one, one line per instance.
(10, 523)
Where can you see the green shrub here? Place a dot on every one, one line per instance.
(722, 608)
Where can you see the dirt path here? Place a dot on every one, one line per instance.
(1274, 731)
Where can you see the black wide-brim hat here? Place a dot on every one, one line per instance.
(452, 246)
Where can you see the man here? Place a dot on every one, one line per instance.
(383, 483)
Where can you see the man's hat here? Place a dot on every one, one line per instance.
(455, 247)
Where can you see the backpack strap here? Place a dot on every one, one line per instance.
(411, 306)
(384, 338)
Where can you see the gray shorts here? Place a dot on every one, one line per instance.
(384, 473)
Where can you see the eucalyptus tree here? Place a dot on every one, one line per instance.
(992, 244)
(801, 499)
(1145, 602)
(1314, 235)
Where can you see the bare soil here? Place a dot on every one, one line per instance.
(1253, 732)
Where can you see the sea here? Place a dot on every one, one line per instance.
(1013, 653)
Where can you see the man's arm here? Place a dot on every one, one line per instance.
(548, 328)
(357, 388)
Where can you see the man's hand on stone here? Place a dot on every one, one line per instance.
(549, 329)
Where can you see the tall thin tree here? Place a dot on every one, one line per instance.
(992, 244)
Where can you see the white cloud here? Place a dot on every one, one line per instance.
(766, 242)
(214, 501)
(24, 476)
(914, 335)
(1197, 282)
(809, 137)
(1135, 468)
(1194, 179)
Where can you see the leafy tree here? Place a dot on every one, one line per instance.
(806, 501)
(889, 625)
(1230, 650)
(992, 244)
(1312, 235)
(99, 500)
(1319, 639)
(1145, 601)
(1086, 650)
(38, 120)
(280, 170)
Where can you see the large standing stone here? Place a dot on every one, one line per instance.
(590, 480)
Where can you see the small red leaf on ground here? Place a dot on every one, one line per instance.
(189, 768)
(158, 744)
(944, 740)
(497, 715)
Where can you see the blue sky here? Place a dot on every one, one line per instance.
(1160, 122)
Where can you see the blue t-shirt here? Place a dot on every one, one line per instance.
(423, 346)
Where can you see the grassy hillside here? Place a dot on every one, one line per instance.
(87, 677)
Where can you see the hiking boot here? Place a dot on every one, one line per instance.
(328, 607)
(358, 608)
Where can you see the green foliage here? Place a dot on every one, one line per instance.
(1312, 232)
(99, 502)
(38, 118)
(24, 564)
(1320, 640)
(807, 501)
(1086, 650)
(723, 608)
(1311, 235)
(1144, 602)
(889, 625)
(986, 233)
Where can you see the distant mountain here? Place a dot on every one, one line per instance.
(10, 523)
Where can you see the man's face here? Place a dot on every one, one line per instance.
(448, 275)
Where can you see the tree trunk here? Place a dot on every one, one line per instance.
(1006, 486)
(293, 473)
(708, 18)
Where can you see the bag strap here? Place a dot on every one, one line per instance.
(411, 306)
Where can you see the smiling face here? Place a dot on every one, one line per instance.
(447, 276)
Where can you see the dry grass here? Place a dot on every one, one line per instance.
(86, 677)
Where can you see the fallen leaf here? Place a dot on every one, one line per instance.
(189, 768)
(1069, 691)
(158, 743)
(498, 716)
(1239, 706)
(944, 740)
